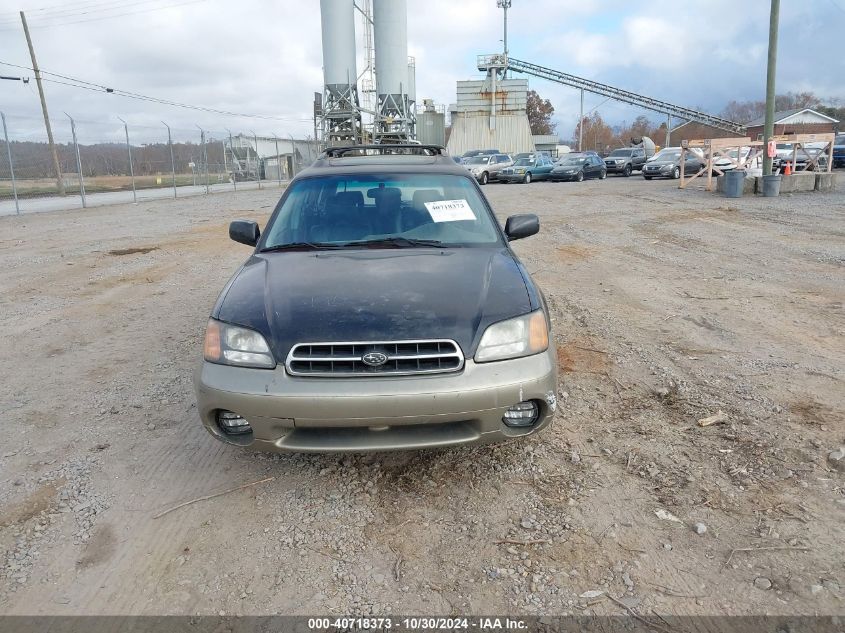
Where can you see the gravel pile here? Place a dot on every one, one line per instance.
(72, 510)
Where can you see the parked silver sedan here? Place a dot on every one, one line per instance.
(487, 168)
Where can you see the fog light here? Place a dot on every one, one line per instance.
(232, 423)
(522, 414)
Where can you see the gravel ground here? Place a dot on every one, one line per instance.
(669, 307)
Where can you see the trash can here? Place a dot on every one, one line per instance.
(771, 186)
(734, 182)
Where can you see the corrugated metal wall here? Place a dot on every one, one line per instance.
(472, 131)
(475, 96)
(431, 128)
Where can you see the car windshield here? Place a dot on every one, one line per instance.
(840, 140)
(478, 160)
(620, 152)
(572, 160)
(671, 155)
(524, 162)
(381, 210)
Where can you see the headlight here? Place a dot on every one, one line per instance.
(514, 338)
(227, 344)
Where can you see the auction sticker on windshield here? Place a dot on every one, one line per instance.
(450, 210)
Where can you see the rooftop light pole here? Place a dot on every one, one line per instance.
(505, 4)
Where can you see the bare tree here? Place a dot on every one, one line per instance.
(539, 113)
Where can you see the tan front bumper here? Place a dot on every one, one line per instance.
(289, 413)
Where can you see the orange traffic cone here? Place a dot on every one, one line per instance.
(788, 169)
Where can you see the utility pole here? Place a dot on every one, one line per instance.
(769, 127)
(60, 185)
(581, 125)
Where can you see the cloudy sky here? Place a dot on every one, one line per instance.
(263, 56)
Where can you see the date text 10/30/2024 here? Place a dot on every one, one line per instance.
(417, 624)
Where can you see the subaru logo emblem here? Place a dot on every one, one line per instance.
(374, 359)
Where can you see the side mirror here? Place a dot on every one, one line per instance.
(519, 226)
(245, 232)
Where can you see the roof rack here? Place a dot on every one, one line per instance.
(370, 150)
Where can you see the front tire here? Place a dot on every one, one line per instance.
(628, 171)
(580, 176)
(676, 173)
(603, 174)
(485, 178)
(527, 179)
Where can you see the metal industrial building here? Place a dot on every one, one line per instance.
(490, 113)
(270, 158)
(431, 124)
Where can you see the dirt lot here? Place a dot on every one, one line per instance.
(668, 307)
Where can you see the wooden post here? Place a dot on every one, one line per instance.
(830, 156)
(709, 186)
(60, 183)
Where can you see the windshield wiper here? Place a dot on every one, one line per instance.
(394, 241)
(292, 246)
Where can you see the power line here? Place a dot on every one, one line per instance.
(83, 9)
(108, 17)
(65, 5)
(73, 82)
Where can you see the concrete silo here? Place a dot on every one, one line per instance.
(395, 117)
(341, 115)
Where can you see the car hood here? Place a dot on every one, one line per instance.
(375, 295)
(661, 163)
(567, 167)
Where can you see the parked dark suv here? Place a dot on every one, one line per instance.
(382, 308)
(839, 151)
(625, 161)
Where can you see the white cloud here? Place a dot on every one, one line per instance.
(264, 57)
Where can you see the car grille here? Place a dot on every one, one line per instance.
(347, 359)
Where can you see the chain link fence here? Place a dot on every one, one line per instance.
(99, 163)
